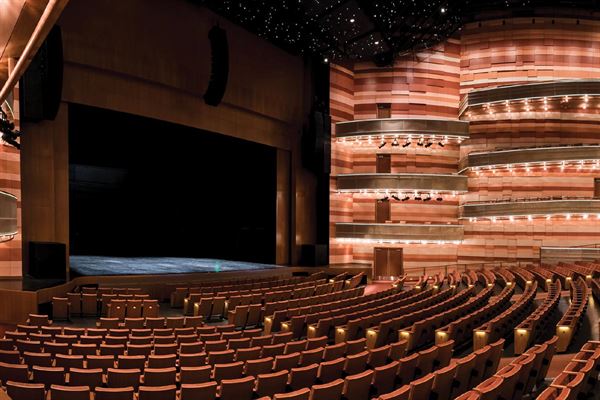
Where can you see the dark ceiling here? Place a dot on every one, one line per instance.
(362, 29)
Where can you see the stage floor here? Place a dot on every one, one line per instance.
(102, 265)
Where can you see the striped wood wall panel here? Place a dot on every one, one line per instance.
(426, 84)
(515, 51)
(10, 181)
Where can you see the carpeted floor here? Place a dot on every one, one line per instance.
(101, 265)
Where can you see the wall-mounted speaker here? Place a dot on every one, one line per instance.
(219, 70)
(41, 84)
(316, 142)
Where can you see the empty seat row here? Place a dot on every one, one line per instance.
(89, 305)
(527, 331)
(572, 318)
(520, 377)
(91, 345)
(352, 325)
(523, 277)
(460, 330)
(151, 322)
(210, 306)
(579, 377)
(179, 292)
(112, 326)
(453, 380)
(423, 331)
(383, 328)
(272, 323)
(499, 326)
(290, 377)
(122, 309)
(258, 295)
(280, 311)
(544, 277)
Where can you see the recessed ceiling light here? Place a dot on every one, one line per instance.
(377, 42)
(443, 10)
(352, 20)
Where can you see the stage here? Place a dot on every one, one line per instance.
(103, 265)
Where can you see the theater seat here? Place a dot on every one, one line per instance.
(401, 393)
(168, 392)
(237, 389)
(124, 393)
(58, 392)
(270, 384)
(358, 386)
(327, 391)
(302, 394)
(25, 391)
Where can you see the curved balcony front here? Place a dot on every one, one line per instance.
(403, 127)
(533, 155)
(546, 90)
(439, 183)
(8, 216)
(394, 233)
(532, 208)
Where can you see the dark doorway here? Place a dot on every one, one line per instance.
(144, 187)
(383, 164)
(382, 211)
(388, 262)
(384, 110)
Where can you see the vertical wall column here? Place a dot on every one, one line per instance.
(282, 230)
(45, 146)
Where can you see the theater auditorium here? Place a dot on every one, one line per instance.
(299, 199)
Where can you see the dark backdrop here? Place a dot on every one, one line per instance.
(143, 187)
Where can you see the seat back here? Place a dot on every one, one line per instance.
(237, 389)
(205, 391)
(25, 391)
(270, 384)
(327, 391)
(59, 392)
(358, 386)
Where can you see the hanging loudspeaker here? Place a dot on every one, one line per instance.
(219, 72)
(41, 84)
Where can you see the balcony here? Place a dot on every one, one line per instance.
(438, 183)
(514, 94)
(403, 127)
(530, 208)
(397, 233)
(531, 156)
(8, 216)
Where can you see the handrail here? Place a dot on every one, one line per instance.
(530, 199)
(446, 268)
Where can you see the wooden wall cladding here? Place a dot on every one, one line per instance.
(423, 84)
(341, 94)
(512, 51)
(487, 55)
(10, 181)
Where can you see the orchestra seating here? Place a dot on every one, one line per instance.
(535, 323)
(399, 342)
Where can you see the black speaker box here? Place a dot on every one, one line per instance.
(316, 152)
(41, 84)
(219, 70)
(47, 260)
